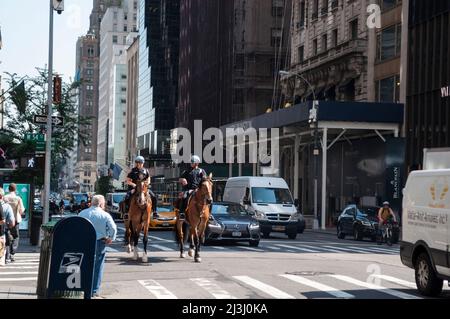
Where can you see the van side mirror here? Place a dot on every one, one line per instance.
(246, 202)
(296, 202)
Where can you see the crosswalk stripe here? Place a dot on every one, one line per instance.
(213, 288)
(371, 250)
(382, 289)
(347, 249)
(19, 279)
(162, 239)
(19, 267)
(163, 248)
(401, 282)
(217, 247)
(298, 248)
(385, 250)
(111, 250)
(325, 249)
(251, 248)
(327, 289)
(25, 263)
(159, 291)
(19, 273)
(274, 247)
(272, 291)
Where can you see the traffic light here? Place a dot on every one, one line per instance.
(58, 5)
(57, 82)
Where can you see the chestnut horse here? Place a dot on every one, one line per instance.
(197, 216)
(138, 219)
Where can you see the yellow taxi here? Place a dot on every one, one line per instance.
(166, 217)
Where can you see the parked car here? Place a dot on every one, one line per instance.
(426, 229)
(232, 222)
(166, 217)
(270, 199)
(360, 222)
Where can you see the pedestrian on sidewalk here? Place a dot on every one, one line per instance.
(106, 231)
(18, 208)
(7, 224)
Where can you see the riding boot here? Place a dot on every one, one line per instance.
(182, 209)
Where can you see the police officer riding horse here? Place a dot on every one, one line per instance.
(138, 173)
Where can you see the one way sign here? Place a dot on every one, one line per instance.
(56, 120)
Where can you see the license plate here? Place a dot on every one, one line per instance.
(237, 234)
(279, 228)
(165, 224)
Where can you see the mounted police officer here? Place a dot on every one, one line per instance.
(138, 173)
(190, 180)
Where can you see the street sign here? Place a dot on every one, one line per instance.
(39, 139)
(57, 121)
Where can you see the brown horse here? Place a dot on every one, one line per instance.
(138, 219)
(197, 216)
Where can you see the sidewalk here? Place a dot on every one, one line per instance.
(25, 246)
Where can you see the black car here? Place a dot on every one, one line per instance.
(232, 222)
(360, 222)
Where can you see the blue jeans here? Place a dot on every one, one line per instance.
(99, 265)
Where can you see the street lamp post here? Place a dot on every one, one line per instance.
(312, 119)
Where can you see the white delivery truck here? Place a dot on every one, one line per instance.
(270, 199)
(425, 244)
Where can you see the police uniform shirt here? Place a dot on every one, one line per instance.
(194, 177)
(137, 174)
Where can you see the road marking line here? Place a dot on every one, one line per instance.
(272, 291)
(213, 288)
(324, 288)
(298, 248)
(401, 282)
(326, 249)
(348, 250)
(163, 248)
(373, 250)
(25, 264)
(18, 267)
(157, 289)
(161, 239)
(250, 248)
(111, 250)
(26, 260)
(384, 249)
(19, 273)
(382, 289)
(217, 247)
(274, 247)
(19, 279)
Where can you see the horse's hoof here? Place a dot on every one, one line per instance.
(191, 253)
(183, 255)
(128, 249)
(135, 255)
(198, 260)
(144, 258)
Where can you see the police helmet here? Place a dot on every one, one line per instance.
(195, 159)
(139, 159)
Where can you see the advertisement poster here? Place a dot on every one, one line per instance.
(23, 190)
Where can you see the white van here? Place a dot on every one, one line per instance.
(426, 221)
(112, 204)
(270, 200)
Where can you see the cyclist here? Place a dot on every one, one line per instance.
(384, 214)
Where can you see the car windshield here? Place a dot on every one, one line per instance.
(265, 195)
(117, 198)
(369, 211)
(79, 197)
(223, 210)
(164, 209)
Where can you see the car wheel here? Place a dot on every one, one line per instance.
(357, 234)
(301, 230)
(340, 233)
(427, 282)
(254, 243)
(292, 235)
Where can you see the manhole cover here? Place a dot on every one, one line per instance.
(309, 273)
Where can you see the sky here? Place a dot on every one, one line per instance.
(25, 26)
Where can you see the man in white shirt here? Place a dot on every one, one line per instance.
(106, 231)
(16, 204)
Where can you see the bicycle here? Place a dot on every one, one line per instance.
(386, 233)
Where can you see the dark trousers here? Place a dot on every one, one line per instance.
(12, 244)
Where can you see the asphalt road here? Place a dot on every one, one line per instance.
(315, 265)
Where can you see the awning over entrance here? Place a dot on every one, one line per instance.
(337, 121)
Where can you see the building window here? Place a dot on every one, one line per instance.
(388, 90)
(324, 42)
(388, 4)
(277, 8)
(89, 87)
(275, 40)
(354, 29)
(135, 5)
(125, 28)
(123, 101)
(123, 77)
(301, 54)
(114, 27)
(315, 47)
(324, 9)
(125, 16)
(90, 51)
(389, 42)
(334, 38)
(123, 89)
(302, 14)
(334, 4)
(89, 72)
(315, 11)
(115, 15)
(114, 39)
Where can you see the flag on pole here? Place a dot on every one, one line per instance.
(19, 97)
(115, 170)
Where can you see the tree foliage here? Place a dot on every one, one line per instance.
(104, 185)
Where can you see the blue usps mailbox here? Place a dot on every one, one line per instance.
(72, 257)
